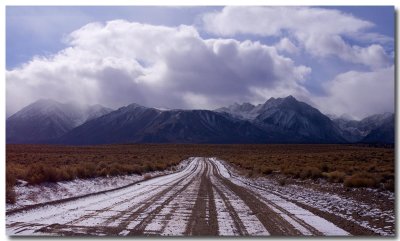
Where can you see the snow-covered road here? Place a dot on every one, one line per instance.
(202, 199)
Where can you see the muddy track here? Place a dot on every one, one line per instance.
(202, 199)
(342, 223)
(203, 220)
(275, 224)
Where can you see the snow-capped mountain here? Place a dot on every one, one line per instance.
(356, 131)
(242, 111)
(290, 117)
(136, 123)
(298, 118)
(46, 120)
(384, 132)
(278, 120)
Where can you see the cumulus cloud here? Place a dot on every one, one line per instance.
(119, 62)
(285, 45)
(359, 94)
(321, 32)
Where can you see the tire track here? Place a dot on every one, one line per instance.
(203, 199)
(203, 220)
(273, 222)
(140, 227)
(58, 214)
(136, 209)
(305, 221)
(242, 218)
(302, 226)
(240, 228)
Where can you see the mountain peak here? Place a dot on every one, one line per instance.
(290, 97)
(44, 102)
(278, 120)
(134, 106)
(270, 100)
(47, 119)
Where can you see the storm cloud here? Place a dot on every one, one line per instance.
(120, 62)
(231, 54)
(320, 31)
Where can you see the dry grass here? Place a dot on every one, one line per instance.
(337, 163)
(335, 176)
(146, 176)
(362, 180)
(352, 165)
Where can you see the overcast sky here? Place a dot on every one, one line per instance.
(338, 59)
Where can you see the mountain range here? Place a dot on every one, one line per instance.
(46, 120)
(278, 120)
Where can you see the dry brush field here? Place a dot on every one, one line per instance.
(353, 165)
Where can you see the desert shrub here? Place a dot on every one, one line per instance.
(103, 172)
(71, 172)
(159, 166)
(10, 194)
(63, 174)
(115, 169)
(36, 174)
(282, 182)
(389, 185)
(250, 173)
(86, 170)
(148, 167)
(372, 168)
(388, 176)
(80, 171)
(361, 180)
(134, 169)
(289, 171)
(335, 176)
(51, 174)
(324, 167)
(10, 178)
(22, 161)
(146, 176)
(266, 170)
(310, 172)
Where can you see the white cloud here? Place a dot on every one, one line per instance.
(268, 21)
(121, 62)
(359, 94)
(286, 45)
(319, 31)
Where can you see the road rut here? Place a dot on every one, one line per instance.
(202, 199)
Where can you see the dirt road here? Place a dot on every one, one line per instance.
(202, 199)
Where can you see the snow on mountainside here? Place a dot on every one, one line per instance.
(47, 119)
(298, 117)
(136, 123)
(278, 120)
(380, 126)
(292, 117)
(243, 111)
(384, 132)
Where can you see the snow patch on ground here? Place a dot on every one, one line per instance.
(221, 167)
(250, 221)
(46, 192)
(345, 207)
(82, 211)
(226, 226)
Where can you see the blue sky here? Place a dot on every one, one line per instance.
(310, 52)
(70, 18)
(45, 27)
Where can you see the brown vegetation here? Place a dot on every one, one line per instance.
(355, 166)
(352, 165)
